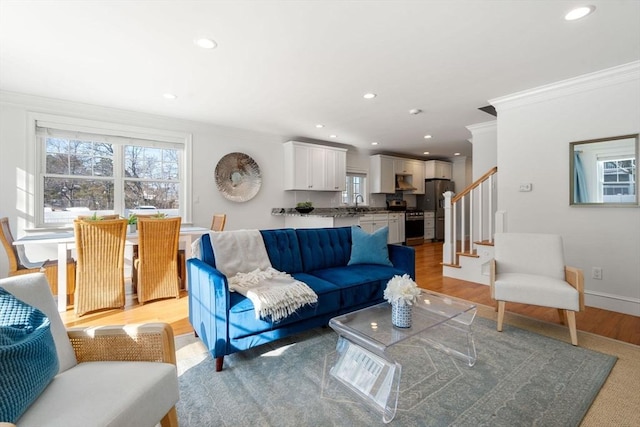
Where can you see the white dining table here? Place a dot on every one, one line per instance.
(66, 242)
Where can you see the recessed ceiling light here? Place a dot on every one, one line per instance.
(319, 126)
(333, 136)
(205, 43)
(456, 154)
(415, 111)
(426, 152)
(169, 96)
(369, 95)
(579, 12)
(427, 137)
(374, 143)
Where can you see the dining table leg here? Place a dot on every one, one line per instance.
(63, 253)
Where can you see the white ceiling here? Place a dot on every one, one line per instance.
(282, 67)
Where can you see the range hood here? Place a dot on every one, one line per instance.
(402, 185)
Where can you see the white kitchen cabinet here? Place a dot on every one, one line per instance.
(429, 225)
(381, 174)
(395, 221)
(402, 166)
(374, 222)
(396, 228)
(336, 161)
(416, 168)
(383, 170)
(437, 169)
(314, 167)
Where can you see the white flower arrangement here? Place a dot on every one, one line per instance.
(401, 290)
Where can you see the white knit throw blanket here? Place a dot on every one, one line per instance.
(274, 294)
(242, 257)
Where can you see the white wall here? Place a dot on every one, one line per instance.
(484, 137)
(534, 132)
(210, 144)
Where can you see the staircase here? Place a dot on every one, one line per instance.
(470, 222)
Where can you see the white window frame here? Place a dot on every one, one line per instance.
(365, 190)
(180, 140)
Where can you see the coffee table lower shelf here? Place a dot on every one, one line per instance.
(363, 362)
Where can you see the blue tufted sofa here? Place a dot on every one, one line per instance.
(226, 321)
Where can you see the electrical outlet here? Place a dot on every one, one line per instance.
(596, 273)
(526, 186)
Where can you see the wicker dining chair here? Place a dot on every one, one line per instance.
(98, 218)
(20, 264)
(100, 270)
(217, 224)
(156, 265)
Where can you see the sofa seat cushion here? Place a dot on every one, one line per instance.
(242, 316)
(359, 283)
(91, 394)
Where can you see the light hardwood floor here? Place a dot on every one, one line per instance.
(428, 276)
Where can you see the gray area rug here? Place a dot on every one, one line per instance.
(519, 379)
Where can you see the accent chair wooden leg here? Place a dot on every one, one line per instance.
(219, 362)
(171, 419)
(571, 320)
(501, 305)
(563, 317)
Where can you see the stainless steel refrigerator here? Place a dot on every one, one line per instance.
(433, 201)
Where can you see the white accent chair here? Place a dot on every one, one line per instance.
(115, 376)
(529, 268)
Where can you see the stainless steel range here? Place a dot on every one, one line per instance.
(413, 227)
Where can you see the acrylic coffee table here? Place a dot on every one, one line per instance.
(364, 362)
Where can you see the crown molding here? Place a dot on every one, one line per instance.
(483, 127)
(608, 77)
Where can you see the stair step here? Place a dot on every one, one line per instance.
(451, 265)
(484, 243)
(473, 254)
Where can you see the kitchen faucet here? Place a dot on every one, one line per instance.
(356, 199)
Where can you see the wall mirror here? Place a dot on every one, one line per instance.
(604, 171)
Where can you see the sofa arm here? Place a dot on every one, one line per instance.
(403, 258)
(209, 304)
(151, 342)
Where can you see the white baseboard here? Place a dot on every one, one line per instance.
(617, 303)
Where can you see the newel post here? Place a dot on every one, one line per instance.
(447, 250)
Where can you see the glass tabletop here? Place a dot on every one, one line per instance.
(372, 326)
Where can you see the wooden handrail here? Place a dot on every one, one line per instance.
(476, 183)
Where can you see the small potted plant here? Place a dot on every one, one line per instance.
(304, 207)
(401, 292)
(133, 222)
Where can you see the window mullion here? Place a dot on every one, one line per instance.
(118, 176)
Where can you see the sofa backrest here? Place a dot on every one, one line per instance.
(324, 247)
(283, 249)
(298, 250)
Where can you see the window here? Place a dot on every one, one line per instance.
(356, 185)
(617, 179)
(106, 172)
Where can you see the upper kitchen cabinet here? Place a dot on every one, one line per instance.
(314, 167)
(381, 174)
(437, 169)
(417, 173)
(384, 170)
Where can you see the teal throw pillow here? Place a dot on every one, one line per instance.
(28, 358)
(369, 248)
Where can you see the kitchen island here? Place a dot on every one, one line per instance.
(369, 218)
